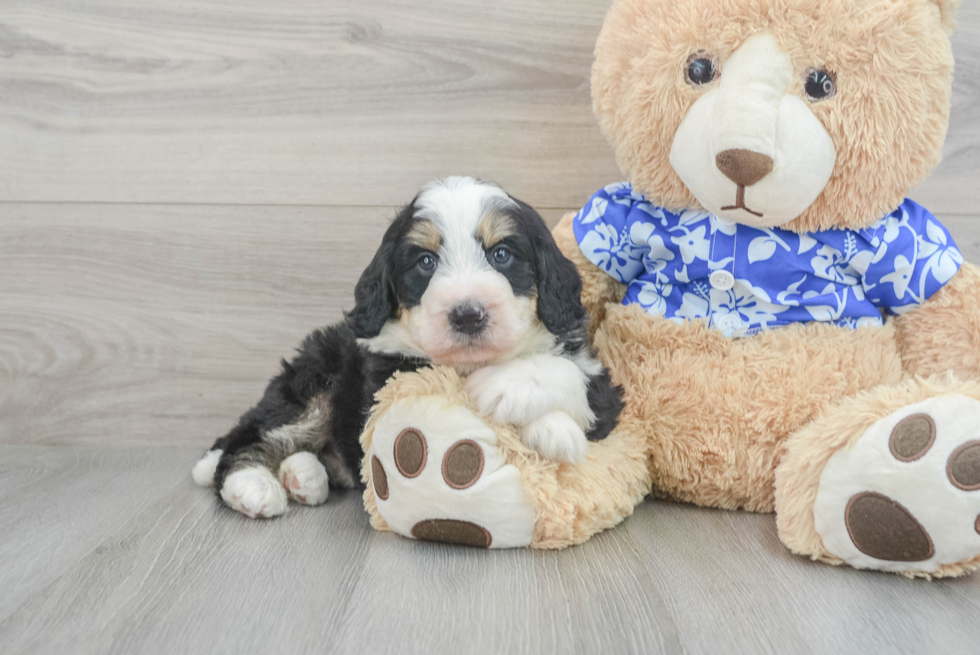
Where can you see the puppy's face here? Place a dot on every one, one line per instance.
(466, 276)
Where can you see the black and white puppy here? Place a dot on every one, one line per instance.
(467, 277)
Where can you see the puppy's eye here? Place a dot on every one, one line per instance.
(501, 256)
(701, 69)
(427, 263)
(820, 84)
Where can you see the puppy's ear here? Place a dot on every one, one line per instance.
(559, 285)
(374, 295)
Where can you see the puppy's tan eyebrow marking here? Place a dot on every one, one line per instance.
(495, 227)
(425, 234)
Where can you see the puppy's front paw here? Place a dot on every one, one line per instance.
(304, 478)
(505, 394)
(556, 436)
(254, 492)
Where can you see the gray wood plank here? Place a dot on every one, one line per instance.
(952, 188)
(597, 598)
(130, 324)
(185, 574)
(138, 323)
(344, 102)
(133, 334)
(733, 587)
(341, 102)
(113, 566)
(57, 505)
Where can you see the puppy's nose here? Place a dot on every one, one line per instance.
(468, 319)
(743, 167)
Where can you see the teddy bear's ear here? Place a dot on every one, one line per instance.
(947, 13)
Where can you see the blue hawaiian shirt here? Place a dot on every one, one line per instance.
(742, 280)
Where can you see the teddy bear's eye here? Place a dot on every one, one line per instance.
(820, 84)
(701, 69)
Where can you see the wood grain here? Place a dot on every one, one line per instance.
(725, 600)
(187, 187)
(952, 187)
(161, 324)
(297, 102)
(130, 324)
(347, 102)
(60, 504)
(150, 563)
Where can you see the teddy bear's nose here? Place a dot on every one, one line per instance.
(743, 167)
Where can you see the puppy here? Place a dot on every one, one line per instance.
(467, 277)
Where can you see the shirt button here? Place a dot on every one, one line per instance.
(729, 323)
(722, 280)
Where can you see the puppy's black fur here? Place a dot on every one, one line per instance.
(329, 365)
(336, 375)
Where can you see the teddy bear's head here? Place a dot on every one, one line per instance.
(808, 114)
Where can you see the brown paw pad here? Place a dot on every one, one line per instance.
(448, 531)
(963, 467)
(977, 525)
(883, 529)
(410, 452)
(463, 464)
(912, 437)
(379, 477)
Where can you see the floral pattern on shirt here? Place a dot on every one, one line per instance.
(772, 277)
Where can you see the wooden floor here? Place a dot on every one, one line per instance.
(186, 188)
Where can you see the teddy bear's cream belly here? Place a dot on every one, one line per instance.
(716, 411)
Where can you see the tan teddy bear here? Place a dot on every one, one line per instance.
(790, 332)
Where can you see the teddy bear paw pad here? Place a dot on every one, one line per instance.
(450, 531)
(906, 496)
(438, 476)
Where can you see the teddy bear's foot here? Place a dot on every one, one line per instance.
(438, 475)
(906, 496)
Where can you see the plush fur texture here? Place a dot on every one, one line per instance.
(808, 451)
(888, 119)
(750, 423)
(571, 501)
(946, 337)
(754, 423)
(716, 410)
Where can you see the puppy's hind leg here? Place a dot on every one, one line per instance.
(203, 472)
(245, 481)
(259, 471)
(305, 478)
(254, 491)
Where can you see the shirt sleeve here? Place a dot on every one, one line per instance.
(915, 257)
(605, 228)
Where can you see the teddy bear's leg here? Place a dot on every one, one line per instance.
(888, 480)
(435, 470)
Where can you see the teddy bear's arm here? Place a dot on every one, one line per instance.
(598, 288)
(943, 334)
